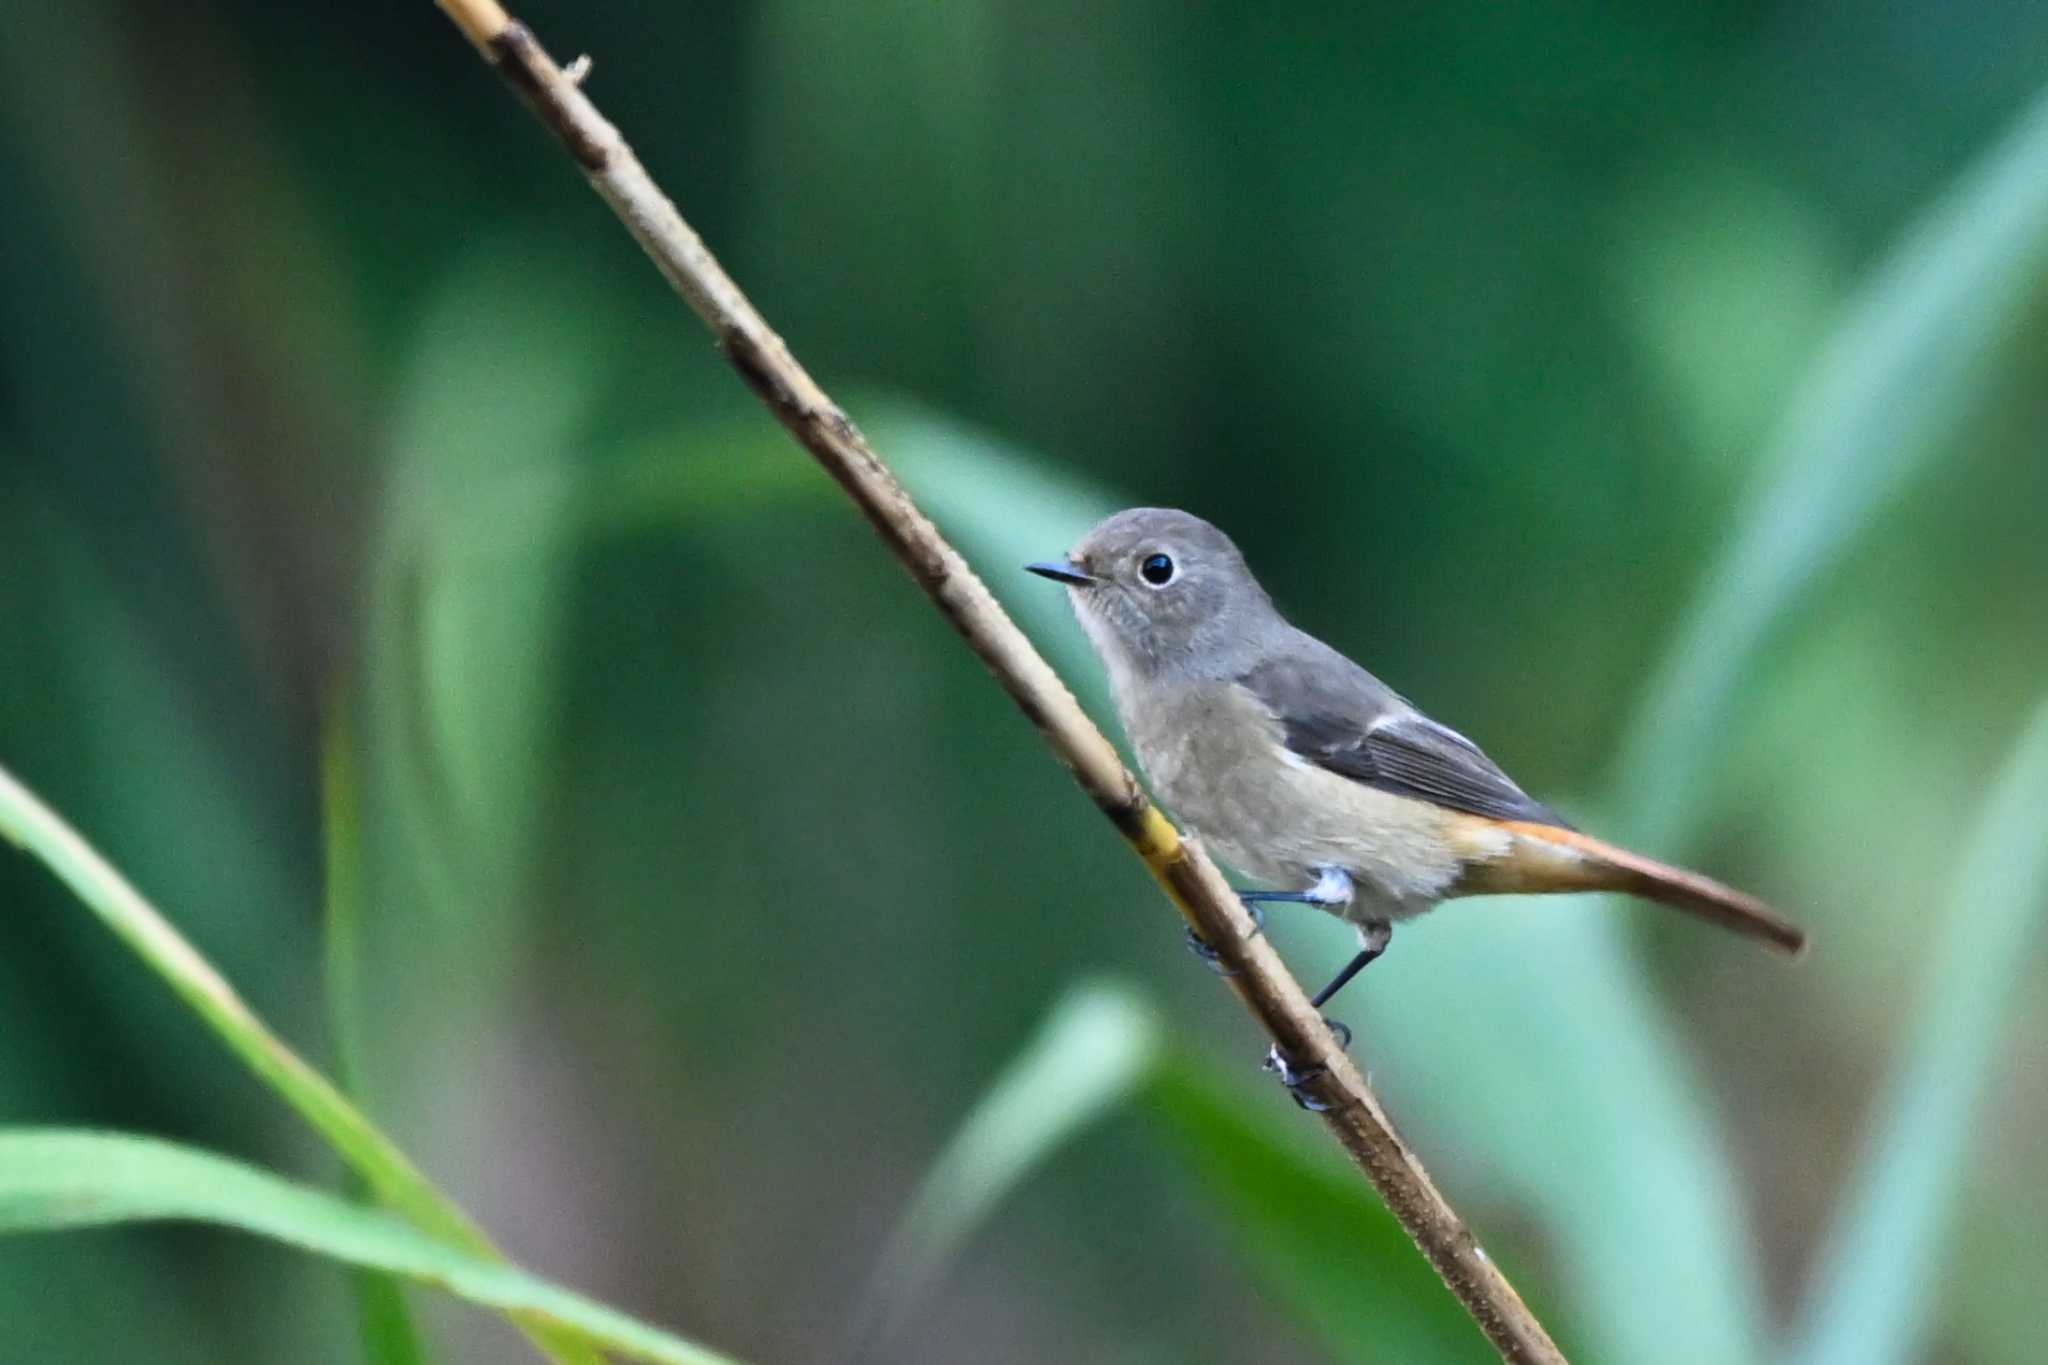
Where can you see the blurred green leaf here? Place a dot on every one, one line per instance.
(39, 830)
(1574, 1100)
(1095, 1049)
(53, 1179)
(1002, 509)
(1730, 277)
(697, 474)
(385, 1325)
(471, 570)
(383, 1321)
(1905, 365)
(178, 797)
(1317, 1234)
(1632, 1178)
(1879, 1282)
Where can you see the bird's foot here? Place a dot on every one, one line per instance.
(1205, 950)
(1299, 1080)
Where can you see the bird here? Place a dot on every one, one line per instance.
(1305, 772)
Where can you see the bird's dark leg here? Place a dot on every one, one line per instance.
(1373, 937)
(1333, 889)
(1251, 898)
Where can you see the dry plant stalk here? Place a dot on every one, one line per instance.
(1261, 980)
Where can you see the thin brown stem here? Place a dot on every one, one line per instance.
(1262, 981)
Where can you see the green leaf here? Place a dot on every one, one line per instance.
(471, 569)
(1631, 1179)
(1877, 1286)
(1002, 509)
(1318, 1236)
(53, 1179)
(1500, 1008)
(1902, 369)
(384, 1322)
(1094, 1050)
(388, 1171)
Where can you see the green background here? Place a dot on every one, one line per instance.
(1655, 393)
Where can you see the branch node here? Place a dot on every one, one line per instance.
(520, 57)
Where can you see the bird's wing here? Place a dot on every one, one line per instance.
(1338, 716)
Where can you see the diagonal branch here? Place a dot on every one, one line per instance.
(1353, 1113)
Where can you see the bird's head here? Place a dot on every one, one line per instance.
(1163, 593)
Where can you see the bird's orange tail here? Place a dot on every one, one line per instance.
(1547, 858)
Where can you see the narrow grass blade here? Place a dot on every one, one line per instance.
(52, 1179)
(1095, 1049)
(1878, 1285)
(397, 1182)
(385, 1325)
(383, 1321)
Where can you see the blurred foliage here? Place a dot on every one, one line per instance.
(1889, 1237)
(1307, 1223)
(1567, 365)
(53, 1178)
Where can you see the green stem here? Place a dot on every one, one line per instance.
(383, 1321)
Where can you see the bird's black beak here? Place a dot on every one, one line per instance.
(1060, 571)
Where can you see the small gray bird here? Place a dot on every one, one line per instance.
(1305, 771)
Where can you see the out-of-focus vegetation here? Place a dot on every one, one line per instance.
(1656, 393)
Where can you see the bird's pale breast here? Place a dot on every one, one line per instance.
(1215, 756)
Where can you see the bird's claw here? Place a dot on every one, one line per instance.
(1298, 1079)
(1205, 950)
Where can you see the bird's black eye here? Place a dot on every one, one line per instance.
(1156, 570)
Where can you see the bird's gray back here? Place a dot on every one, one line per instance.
(1299, 676)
